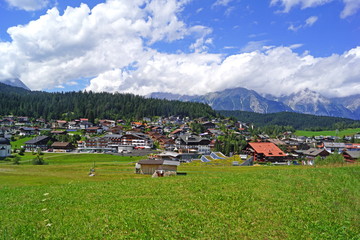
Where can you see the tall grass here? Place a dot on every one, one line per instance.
(60, 201)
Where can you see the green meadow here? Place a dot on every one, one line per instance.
(342, 133)
(60, 201)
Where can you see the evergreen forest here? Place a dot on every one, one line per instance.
(71, 105)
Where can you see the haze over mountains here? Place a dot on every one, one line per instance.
(305, 101)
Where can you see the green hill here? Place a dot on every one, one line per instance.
(296, 120)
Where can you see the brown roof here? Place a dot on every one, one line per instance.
(151, 162)
(60, 144)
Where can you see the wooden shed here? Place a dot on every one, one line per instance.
(149, 166)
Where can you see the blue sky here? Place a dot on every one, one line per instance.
(188, 46)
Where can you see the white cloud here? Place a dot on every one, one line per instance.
(308, 23)
(351, 6)
(221, 3)
(277, 71)
(28, 5)
(311, 20)
(254, 46)
(85, 42)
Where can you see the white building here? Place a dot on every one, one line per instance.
(5, 147)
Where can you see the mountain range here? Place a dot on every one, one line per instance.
(304, 101)
(15, 82)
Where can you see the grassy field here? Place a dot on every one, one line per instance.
(342, 133)
(60, 201)
(20, 142)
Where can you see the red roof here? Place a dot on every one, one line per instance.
(268, 149)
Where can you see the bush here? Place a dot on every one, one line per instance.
(38, 161)
(331, 159)
(16, 160)
(22, 151)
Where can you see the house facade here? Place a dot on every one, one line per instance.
(5, 147)
(265, 152)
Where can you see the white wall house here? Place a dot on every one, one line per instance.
(5, 147)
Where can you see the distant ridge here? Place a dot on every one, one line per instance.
(15, 82)
(304, 101)
(293, 119)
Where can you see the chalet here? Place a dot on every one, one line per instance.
(265, 152)
(74, 125)
(62, 146)
(333, 147)
(107, 124)
(39, 142)
(27, 131)
(177, 132)
(209, 125)
(215, 132)
(193, 143)
(58, 132)
(351, 156)
(136, 140)
(60, 124)
(94, 130)
(85, 124)
(312, 153)
(5, 147)
(150, 166)
(116, 130)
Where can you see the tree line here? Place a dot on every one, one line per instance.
(71, 105)
(297, 121)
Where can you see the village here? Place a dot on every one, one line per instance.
(168, 142)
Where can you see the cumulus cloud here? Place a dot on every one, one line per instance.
(278, 71)
(85, 42)
(351, 6)
(28, 5)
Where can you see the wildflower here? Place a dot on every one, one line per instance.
(44, 200)
(45, 194)
(44, 209)
(48, 225)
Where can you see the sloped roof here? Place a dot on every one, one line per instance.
(4, 141)
(315, 152)
(159, 162)
(334, 145)
(268, 149)
(61, 144)
(354, 154)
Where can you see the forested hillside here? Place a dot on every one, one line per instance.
(71, 105)
(296, 120)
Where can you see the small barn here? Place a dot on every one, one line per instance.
(149, 166)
